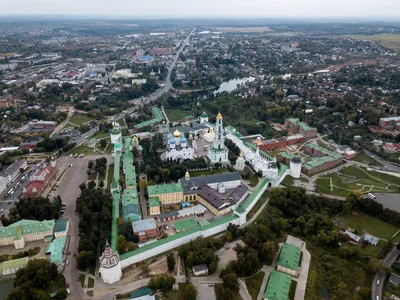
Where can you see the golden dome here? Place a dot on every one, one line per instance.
(135, 139)
(177, 133)
(219, 116)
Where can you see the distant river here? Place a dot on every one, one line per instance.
(229, 86)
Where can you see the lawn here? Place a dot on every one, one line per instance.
(391, 41)
(90, 282)
(102, 176)
(363, 222)
(371, 250)
(82, 279)
(366, 159)
(101, 134)
(82, 149)
(92, 270)
(89, 293)
(92, 176)
(68, 125)
(208, 172)
(354, 178)
(109, 148)
(292, 291)
(121, 122)
(175, 295)
(217, 291)
(253, 284)
(79, 119)
(110, 175)
(175, 115)
(253, 179)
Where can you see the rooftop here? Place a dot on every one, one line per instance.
(154, 202)
(185, 225)
(14, 263)
(143, 225)
(164, 188)
(55, 248)
(278, 286)
(61, 225)
(289, 257)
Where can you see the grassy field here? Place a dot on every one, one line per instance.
(82, 279)
(253, 284)
(365, 223)
(371, 250)
(109, 148)
(366, 159)
(82, 149)
(257, 206)
(68, 125)
(90, 282)
(253, 179)
(391, 41)
(236, 297)
(79, 119)
(101, 134)
(175, 115)
(354, 178)
(92, 176)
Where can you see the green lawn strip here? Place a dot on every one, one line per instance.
(110, 175)
(372, 225)
(90, 282)
(92, 176)
(79, 119)
(121, 122)
(175, 295)
(82, 279)
(92, 270)
(257, 206)
(109, 148)
(217, 287)
(175, 115)
(101, 134)
(102, 177)
(68, 125)
(292, 290)
(366, 159)
(253, 284)
(82, 149)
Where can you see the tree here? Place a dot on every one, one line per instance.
(190, 292)
(101, 183)
(230, 282)
(121, 244)
(103, 143)
(165, 173)
(269, 250)
(171, 261)
(85, 259)
(91, 184)
(143, 184)
(228, 236)
(131, 246)
(162, 282)
(90, 164)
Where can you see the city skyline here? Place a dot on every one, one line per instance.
(206, 8)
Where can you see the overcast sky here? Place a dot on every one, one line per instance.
(205, 8)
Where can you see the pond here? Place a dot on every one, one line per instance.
(229, 86)
(5, 289)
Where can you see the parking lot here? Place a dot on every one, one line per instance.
(389, 200)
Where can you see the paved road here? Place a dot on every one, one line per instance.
(390, 165)
(85, 136)
(167, 87)
(63, 123)
(381, 275)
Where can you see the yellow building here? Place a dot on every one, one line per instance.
(166, 193)
(154, 204)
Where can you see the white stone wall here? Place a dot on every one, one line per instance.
(111, 275)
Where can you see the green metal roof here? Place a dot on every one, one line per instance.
(15, 263)
(21, 227)
(61, 225)
(154, 202)
(115, 216)
(217, 222)
(140, 293)
(185, 225)
(56, 249)
(204, 115)
(164, 188)
(278, 286)
(115, 131)
(289, 257)
(246, 203)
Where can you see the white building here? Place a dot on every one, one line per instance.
(115, 135)
(178, 147)
(218, 153)
(295, 167)
(110, 266)
(203, 118)
(240, 163)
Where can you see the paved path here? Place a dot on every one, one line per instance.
(243, 292)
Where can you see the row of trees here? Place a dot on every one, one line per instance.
(94, 207)
(39, 208)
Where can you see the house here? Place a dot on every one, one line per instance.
(23, 231)
(355, 239)
(394, 279)
(373, 240)
(200, 270)
(61, 228)
(145, 229)
(12, 266)
(289, 259)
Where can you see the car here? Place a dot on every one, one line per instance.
(210, 284)
(67, 262)
(77, 278)
(70, 155)
(377, 282)
(74, 254)
(67, 285)
(377, 297)
(68, 291)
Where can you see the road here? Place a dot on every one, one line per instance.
(381, 275)
(85, 136)
(391, 166)
(168, 83)
(63, 123)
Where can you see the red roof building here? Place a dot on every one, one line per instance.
(39, 181)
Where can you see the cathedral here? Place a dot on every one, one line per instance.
(178, 148)
(218, 153)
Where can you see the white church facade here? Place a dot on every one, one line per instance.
(178, 148)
